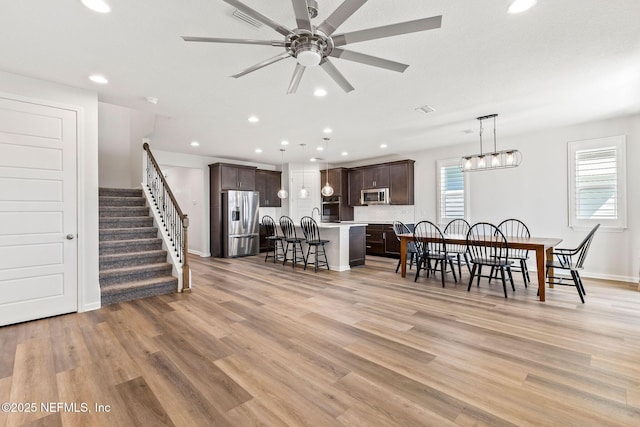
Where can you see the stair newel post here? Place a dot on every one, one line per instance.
(186, 271)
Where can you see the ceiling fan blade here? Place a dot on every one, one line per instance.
(303, 20)
(260, 17)
(239, 41)
(262, 64)
(295, 79)
(368, 60)
(336, 75)
(341, 14)
(388, 30)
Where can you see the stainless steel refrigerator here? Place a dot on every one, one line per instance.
(240, 223)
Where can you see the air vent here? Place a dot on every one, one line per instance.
(426, 109)
(241, 16)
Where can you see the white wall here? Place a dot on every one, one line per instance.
(87, 103)
(536, 192)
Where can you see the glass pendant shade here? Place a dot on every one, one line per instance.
(327, 190)
(283, 194)
(304, 193)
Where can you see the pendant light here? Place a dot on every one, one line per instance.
(282, 193)
(327, 190)
(304, 193)
(494, 160)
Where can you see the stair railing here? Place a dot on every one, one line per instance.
(171, 217)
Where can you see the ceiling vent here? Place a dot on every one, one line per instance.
(241, 16)
(426, 109)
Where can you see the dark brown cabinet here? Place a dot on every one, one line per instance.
(268, 185)
(338, 179)
(355, 187)
(375, 177)
(397, 176)
(357, 242)
(382, 240)
(336, 207)
(234, 177)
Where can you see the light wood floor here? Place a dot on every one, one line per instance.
(260, 344)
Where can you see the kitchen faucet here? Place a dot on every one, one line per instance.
(314, 211)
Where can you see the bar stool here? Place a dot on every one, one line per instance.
(312, 236)
(291, 239)
(274, 241)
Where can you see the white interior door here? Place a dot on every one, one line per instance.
(38, 211)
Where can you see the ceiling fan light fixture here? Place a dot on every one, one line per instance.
(519, 6)
(308, 58)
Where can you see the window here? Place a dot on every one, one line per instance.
(452, 195)
(597, 183)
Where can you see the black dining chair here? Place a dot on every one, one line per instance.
(292, 240)
(487, 246)
(312, 236)
(516, 228)
(571, 260)
(274, 241)
(458, 227)
(431, 246)
(401, 228)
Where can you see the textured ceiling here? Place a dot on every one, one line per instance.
(561, 63)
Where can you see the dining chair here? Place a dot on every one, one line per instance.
(573, 261)
(458, 227)
(516, 228)
(430, 245)
(312, 236)
(401, 228)
(274, 241)
(487, 246)
(292, 241)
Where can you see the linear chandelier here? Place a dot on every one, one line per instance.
(493, 160)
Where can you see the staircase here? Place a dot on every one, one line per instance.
(132, 262)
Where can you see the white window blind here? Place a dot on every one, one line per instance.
(452, 197)
(597, 182)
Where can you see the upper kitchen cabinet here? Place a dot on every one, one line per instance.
(235, 177)
(355, 186)
(376, 176)
(268, 185)
(338, 179)
(401, 182)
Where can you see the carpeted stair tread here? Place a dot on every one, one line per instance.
(125, 222)
(137, 289)
(123, 211)
(129, 259)
(120, 192)
(135, 245)
(110, 234)
(134, 273)
(113, 201)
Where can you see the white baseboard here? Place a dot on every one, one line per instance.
(591, 275)
(90, 307)
(198, 253)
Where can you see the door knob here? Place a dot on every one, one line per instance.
(70, 236)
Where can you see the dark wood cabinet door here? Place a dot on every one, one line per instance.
(401, 186)
(355, 187)
(272, 186)
(376, 177)
(335, 180)
(228, 177)
(391, 242)
(246, 179)
(261, 187)
(375, 239)
(357, 243)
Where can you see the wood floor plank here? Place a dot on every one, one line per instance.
(143, 407)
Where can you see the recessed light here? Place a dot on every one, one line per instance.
(195, 144)
(313, 159)
(344, 153)
(518, 6)
(253, 119)
(327, 130)
(97, 78)
(320, 148)
(320, 92)
(284, 142)
(258, 150)
(152, 100)
(383, 145)
(97, 5)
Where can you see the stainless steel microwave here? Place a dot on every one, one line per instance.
(374, 196)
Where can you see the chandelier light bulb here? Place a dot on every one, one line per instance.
(467, 163)
(510, 157)
(481, 162)
(495, 159)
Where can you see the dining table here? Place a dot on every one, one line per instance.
(542, 246)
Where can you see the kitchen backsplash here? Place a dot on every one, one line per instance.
(384, 213)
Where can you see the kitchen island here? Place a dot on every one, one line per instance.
(345, 246)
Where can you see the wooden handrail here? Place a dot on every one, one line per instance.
(184, 220)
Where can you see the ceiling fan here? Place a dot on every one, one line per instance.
(313, 45)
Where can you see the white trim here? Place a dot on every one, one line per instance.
(199, 253)
(591, 275)
(465, 176)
